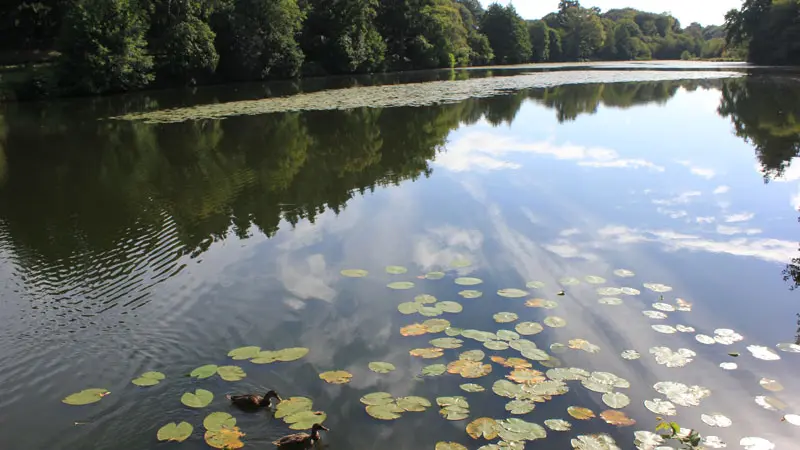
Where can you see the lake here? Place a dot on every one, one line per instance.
(158, 231)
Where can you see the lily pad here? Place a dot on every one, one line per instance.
(580, 412)
(354, 273)
(436, 325)
(792, 419)
(534, 284)
(520, 406)
(616, 400)
(434, 370)
(541, 303)
(599, 441)
(461, 262)
(231, 373)
(558, 424)
(505, 317)
(447, 342)
(770, 403)
(434, 275)
(470, 293)
(243, 353)
(712, 442)
(430, 311)
(468, 281)
(657, 315)
(305, 420)
(442, 445)
(524, 431)
(609, 291)
(554, 322)
(472, 387)
(265, 357)
(454, 413)
(472, 355)
(704, 339)
(453, 332)
(374, 398)
(617, 418)
(657, 287)
(483, 427)
(457, 400)
(85, 397)
(336, 376)
(480, 336)
(526, 376)
(770, 384)
(293, 405)
(558, 348)
(396, 270)
(505, 388)
(148, 379)
(415, 329)
(684, 329)
(400, 285)
(176, 432)
(756, 443)
(226, 438)
(666, 329)
(449, 307)
(583, 344)
(729, 366)
(219, 420)
(496, 345)
(199, 399)
(529, 328)
(409, 307)
(610, 301)
(507, 335)
(788, 347)
(512, 293)
(381, 367)
(660, 407)
(425, 299)
(666, 307)
(593, 279)
(763, 353)
(291, 354)
(630, 291)
(426, 353)
(647, 440)
(670, 358)
(569, 281)
(716, 420)
(522, 345)
(204, 371)
(624, 273)
(413, 404)
(630, 355)
(567, 374)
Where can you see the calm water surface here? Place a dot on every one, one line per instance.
(127, 246)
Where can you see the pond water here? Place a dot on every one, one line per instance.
(159, 231)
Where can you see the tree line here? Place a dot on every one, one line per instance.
(120, 45)
(769, 29)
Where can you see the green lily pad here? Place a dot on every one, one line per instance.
(534, 284)
(442, 445)
(529, 328)
(452, 401)
(609, 291)
(505, 388)
(483, 427)
(381, 367)
(461, 262)
(472, 355)
(454, 413)
(569, 281)
(176, 432)
(396, 270)
(554, 322)
(304, 420)
(85, 397)
(409, 307)
(470, 293)
(468, 281)
(528, 431)
(657, 287)
(242, 353)
(616, 400)
(512, 293)
(430, 311)
(593, 279)
(434, 370)
(447, 342)
(480, 336)
(449, 307)
(219, 420)
(436, 325)
(537, 354)
(388, 411)
(425, 299)
(505, 317)
(265, 357)
(231, 373)
(204, 371)
(453, 332)
(413, 404)
(558, 424)
(354, 273)
(558, 348)
(291, 354)
(292, 405)
(400, 285)
(149, 379)
(434, 275)
(507, 335)
(520, 406)
(522, 345)
(610, 301)
(496, 345)
(377, 398)
(472, 387)
(199, 399)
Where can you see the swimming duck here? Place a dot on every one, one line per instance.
(300, 440)
(253, 400)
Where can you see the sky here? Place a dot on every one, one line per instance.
(707, 12)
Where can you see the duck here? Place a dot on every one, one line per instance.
(301, 440)
(253, 400)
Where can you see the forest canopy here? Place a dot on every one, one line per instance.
(102, 46)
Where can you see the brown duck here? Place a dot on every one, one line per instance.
(253, 401)
(300, 440)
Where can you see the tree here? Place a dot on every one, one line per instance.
(583, 31)
(103, 48)
(555, 48)
(771, 28)
(341, 36)
(507, 34)
(257, 39)
(539, 34)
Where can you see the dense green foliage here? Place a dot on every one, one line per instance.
(769, 28)
(118, 45)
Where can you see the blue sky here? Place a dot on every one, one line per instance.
(707, 12)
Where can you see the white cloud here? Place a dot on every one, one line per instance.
(680, 199)
(566, 250)
(729, 230)
(706, 219)
(672, 213)
(699, 171)
(491, 151)
(721, 189)
(569, 232)
(741, 217)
